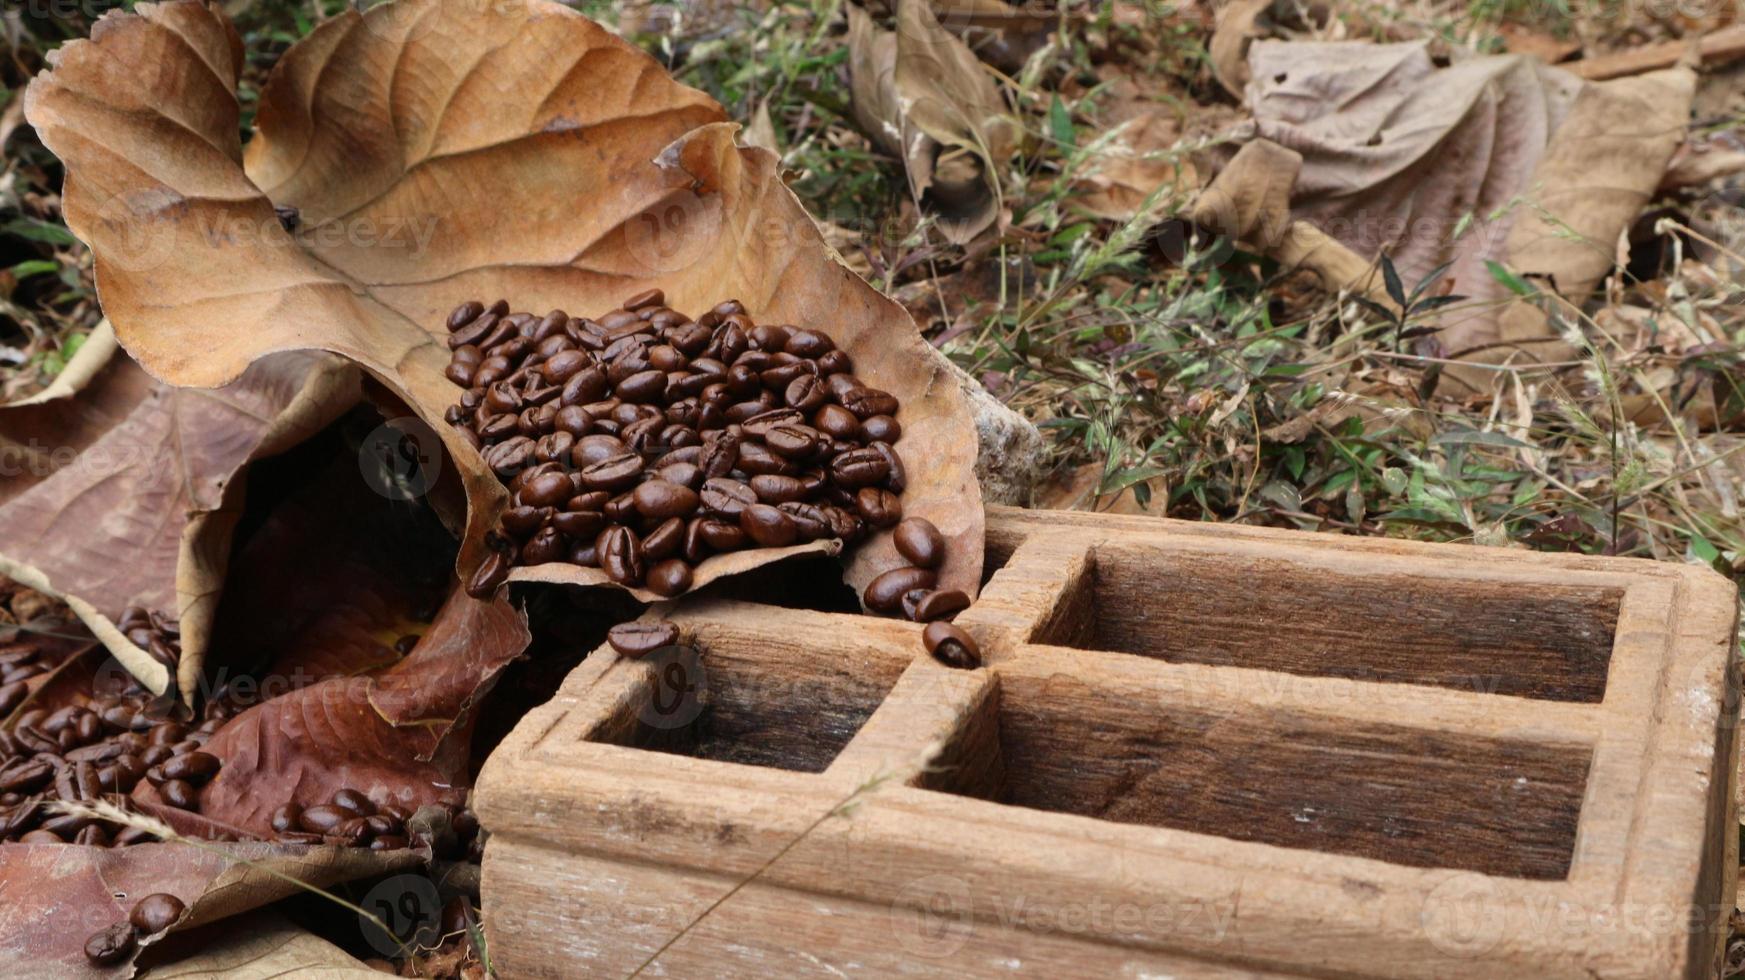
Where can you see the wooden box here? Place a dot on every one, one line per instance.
(1194, 750)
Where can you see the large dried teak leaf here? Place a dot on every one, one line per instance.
(127, 490)
(1490, 160)
(437, 153)
(56, 895)
(921, 95)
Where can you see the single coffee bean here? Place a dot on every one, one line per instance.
(878, 507)
(897, 480)
(354, 832)
(920, 542)
(41, 837)
(754, 458)
(621, 556)
(596, 448)
(664, 541)
(464, 314)
(859, 468)
(353, 801)
(192, 767)
(643, 387)
(941, 604)
(760, 424)
(524, 520)
(489, 577)
(774, 488)
(155, 913)
(767, 526)
(659, 500)
(286, 817)
(837, 422)
(110, 945)
(669, 578)
(884, 594)
(615, 473)
(180, 794)
(808, 519)
(510, 456)
(952, 645)
(868, 402)
(726, 498)
(644, 299)
(806, 393)
(323, 819)
(546, 545)
(639, 639)
(579, 524)
(564, 365)
(808, 343)
(794, 441)
(882, 428)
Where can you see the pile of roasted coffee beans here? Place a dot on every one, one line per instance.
(643, 442)
(151, 915)
(349, 819)
(156, 635)
(81, 753)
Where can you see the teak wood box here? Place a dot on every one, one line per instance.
(1194, 750)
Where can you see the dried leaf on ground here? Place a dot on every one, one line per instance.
(919, 93)
(128, 490)
(1492, 160)
(57, 895)
(1240, 23)
(438, 153)
(1133, 160)
(266, 946)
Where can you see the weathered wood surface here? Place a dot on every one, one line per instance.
(1194, 750)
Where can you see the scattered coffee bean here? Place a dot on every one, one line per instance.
(951, 645)
(110, 946)
(155, 913)
(885, 593)
(920, 542)
(639, 639)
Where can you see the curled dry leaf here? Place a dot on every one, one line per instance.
(95, 887)
(264, 946)
(437, 153)
(1491, 160)
(126, 490)
(922, 96)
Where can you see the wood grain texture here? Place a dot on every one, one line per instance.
(1091, 812)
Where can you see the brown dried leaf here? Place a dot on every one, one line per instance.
(439, 153)
(127, 490)
(265, 946)
(57, 895)
(919, 93)
(1499, 159)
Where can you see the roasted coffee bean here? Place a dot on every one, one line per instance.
(621, 556)
(510, 456)
(755, 458)
(775, 488)
(859, 468)
(579, 524)
(92, 835)
(646, 298)
(940, 604)
(808, 343)
(597, 448)
(353, 801)
(885, 593)
(546, 490)
(489, 577)
(952, 645)
(613, 473)
(464, 314)
(287, 817)
(156, 913)
(809, 519)
(670, 577)
(524, 520)
(660, 500)
(546, 545)
(868, 402)
(323, 819)
(897, 480)
(41, 837)
(643, 387)
(26, 776)
(837, 422)
(722, 535)
(564, 365)
(920, 542)
(639, 639)
(794, 441)
(878, 507)
(180, 794)
(111, 945)
(665, 541)
(620, 509)
(767, 526)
